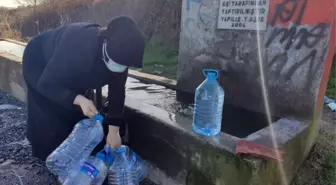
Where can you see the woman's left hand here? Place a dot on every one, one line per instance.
(113, 138)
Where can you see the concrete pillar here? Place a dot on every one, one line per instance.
(293, 44)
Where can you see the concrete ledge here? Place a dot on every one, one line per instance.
(149, 78)
(182, 157)
(143, 77)
(14, 41)
(11, 79)
(168, 141)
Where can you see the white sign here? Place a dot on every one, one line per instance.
(243, 14)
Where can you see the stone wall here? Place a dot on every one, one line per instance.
(294, 53)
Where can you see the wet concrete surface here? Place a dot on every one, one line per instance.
(159, 96)
(236, 121)
(11, 48)
(17, 165)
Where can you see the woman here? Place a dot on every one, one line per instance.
(59, 66)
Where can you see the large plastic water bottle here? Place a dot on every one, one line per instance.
(93, 171)
(128, 168)
(208, 108)
(68, 158)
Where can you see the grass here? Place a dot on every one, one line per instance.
(162, 61)
(319, 167)
(330, 168)
(331, 89)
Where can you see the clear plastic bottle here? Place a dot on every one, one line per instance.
(93, 172)
(68, 158)
(140, 166)
(208, 107)
(127, 169)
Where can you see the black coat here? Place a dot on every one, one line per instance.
(57, 66)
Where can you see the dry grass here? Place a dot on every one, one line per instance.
(331, 90)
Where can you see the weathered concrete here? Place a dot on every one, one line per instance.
(295, 53)
(178, 155)
(149, 78)
(195, 160)
(11, 79)
(12, 47)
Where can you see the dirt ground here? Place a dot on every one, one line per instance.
(319, 167)
(17, 166)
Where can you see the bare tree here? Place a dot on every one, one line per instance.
(61, 7)
(33, 4)
(4, 18)
(6, 29)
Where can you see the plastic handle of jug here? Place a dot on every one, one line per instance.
(214, 71)
(120, 150)
(98, 117)
(109, 155)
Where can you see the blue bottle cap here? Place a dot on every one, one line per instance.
(109, 156)
(99, 118)
(211, 74)
(100, 156)
(121, 150)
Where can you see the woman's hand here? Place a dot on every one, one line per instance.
(87, 106)
(113, 139)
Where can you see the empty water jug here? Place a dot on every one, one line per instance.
(68, 158)
(127, 169)
(93, 171)
(208, 107)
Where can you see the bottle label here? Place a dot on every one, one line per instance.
(90, 170)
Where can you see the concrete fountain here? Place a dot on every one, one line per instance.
(274, 74)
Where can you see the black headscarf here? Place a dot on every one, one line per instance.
(125, 42)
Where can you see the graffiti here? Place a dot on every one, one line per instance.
(303, 42)
(303, 35)
(293, 33)
(285, 14)
(202, 18)
(294, 44)
(189, 2)
(292, 50)
(198, 22)
(202, 22)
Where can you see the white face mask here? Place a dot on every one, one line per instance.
(110, 64)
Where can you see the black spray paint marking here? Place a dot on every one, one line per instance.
(296, 37)
(303, 37)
